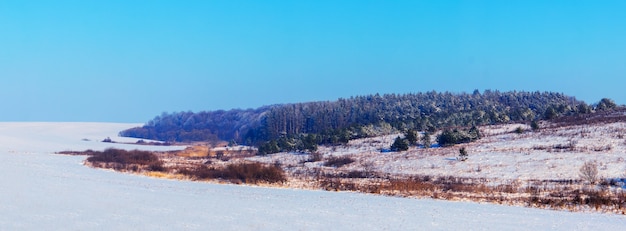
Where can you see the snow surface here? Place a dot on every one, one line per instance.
(44, 191)
(501, 156)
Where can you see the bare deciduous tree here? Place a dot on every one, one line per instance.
(369, 168)
(589, 172)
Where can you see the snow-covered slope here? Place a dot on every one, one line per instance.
(501, 155)
(43, 191)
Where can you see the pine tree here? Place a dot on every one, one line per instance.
(534, 125)
(411, 136)
(426, 140)
(399, 145)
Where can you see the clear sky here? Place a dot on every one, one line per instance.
(128, 61)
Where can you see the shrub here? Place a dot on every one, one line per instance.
(201, 172)
(314, 157)
(124, 157)
(338, 161)
(450, 138)
(242, 172)
(426, 140)
(255, 172)
(157, 167)
(606, 104)
(400, 145)
(462, 154)
(534, 125)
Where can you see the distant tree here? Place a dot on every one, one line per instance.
(534, 125)
(399, 145)
(474, 133)
(426, 140)
(519, 130)
(269, 147)
(452, 137)
(411, 136)
(589, 172)
(462, 154)
(606, 104)
(550, 113)
(336, 122)
(309, 142)
(583, 108)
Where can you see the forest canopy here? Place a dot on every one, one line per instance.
(334, 122)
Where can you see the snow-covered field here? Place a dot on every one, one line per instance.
(44, 191)
(501, 155)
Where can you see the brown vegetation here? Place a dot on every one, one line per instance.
(145, 161)
(249, 173)
(559, 194)
(338, 161)
(219, 152)
(117, 159)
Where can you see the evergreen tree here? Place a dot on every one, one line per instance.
(534, 125)
(411, 136)
(456, 136)
(399, 145)
(474, 133)
(606, 104)
(336, 122)
(550, 113)
(309, 143)
(426, 140)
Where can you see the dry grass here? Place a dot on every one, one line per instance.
(249, 173)
(194, 151)
(166, 175)
(566, 194)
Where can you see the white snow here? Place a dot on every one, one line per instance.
(44, 191)
(501, 156)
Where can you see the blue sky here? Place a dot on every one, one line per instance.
(128, 61)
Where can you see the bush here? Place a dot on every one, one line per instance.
(201, 172)
(450, 138)
(400, 145)
(426, 140)
(606, 104)
(338, 161)
(124, 157)
(534, 125)
(243, 172)
(315, 157)
(462, 154)
(255, 172)
(157, 167)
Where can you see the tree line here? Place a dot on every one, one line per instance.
(298, 126)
